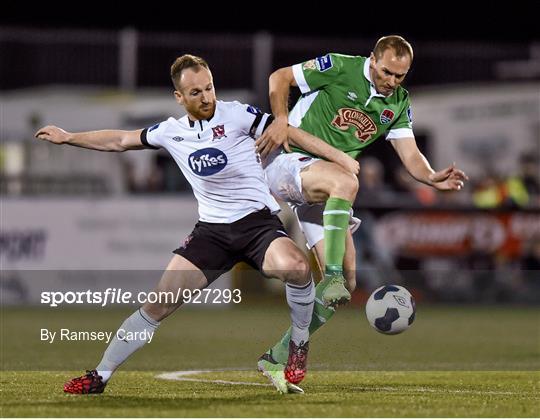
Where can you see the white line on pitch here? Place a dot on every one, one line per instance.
(431, 390)
(183, 375)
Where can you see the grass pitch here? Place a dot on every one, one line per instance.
(454, 362)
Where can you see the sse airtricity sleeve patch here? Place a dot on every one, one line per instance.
(409, 115)
(324, 63)
(152, 137)
(259, 124)
(317, 73)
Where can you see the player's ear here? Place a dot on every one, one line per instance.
(179, 97)
(372, 59)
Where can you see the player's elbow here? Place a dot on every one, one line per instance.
(120, 147)
(128, 140)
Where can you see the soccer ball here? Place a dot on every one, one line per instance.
(390, 309)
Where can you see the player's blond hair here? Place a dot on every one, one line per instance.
(186, 61)
(400, 46)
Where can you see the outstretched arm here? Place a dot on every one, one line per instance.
(275, 135)
(450, 178)
(318, 147)
(102, 140)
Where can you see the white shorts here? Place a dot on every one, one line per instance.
(283, 176)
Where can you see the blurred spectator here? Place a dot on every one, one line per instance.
(516, 191)
(529, 165)
(418, 193)
(487, 192)
(372, 188)
(375, 264)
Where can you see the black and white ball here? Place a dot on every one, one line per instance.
(390, 309)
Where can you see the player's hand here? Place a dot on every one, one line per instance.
(348, 163)
(448, 179)
(274, 136)
(53, 134)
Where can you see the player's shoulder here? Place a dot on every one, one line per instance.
(342, 62)
(238, 107)
(163, 125)
(402, 94)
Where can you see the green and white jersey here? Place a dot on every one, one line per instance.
(340, 105)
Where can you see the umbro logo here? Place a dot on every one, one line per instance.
(401, 301)
(178, 138)
(352, 96)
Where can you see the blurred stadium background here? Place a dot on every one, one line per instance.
(73, 219)
(475, 103)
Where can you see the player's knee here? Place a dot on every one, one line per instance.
(349, 183)
(295, 269)
(344, 184)
(160, 310)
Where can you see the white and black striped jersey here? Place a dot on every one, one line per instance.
(218, 158)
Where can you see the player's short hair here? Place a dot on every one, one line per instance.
(400, 46)
(186, 61)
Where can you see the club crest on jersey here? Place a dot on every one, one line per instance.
(309, 65)
(218, 132)
(387, 116)
(364, 126)
(208, 161)
(324, 63)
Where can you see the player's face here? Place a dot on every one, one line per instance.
(388, 71)
(197, 93)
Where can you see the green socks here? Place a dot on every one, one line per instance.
(280, 352)
(336, 222)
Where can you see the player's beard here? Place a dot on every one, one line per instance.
(206, 111)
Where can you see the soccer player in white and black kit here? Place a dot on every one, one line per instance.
(213, 145)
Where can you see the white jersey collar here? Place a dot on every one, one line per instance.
(372, 91)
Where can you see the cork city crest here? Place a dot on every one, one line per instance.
(364, 126)
(309, 65)
(387, 116)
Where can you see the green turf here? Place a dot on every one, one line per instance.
(328, 394)
(455, 361)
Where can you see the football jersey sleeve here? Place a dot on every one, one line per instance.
(152, 137)
(317, 73)
(252, 120)
(402, 127)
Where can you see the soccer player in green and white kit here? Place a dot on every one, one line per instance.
(348, 102)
